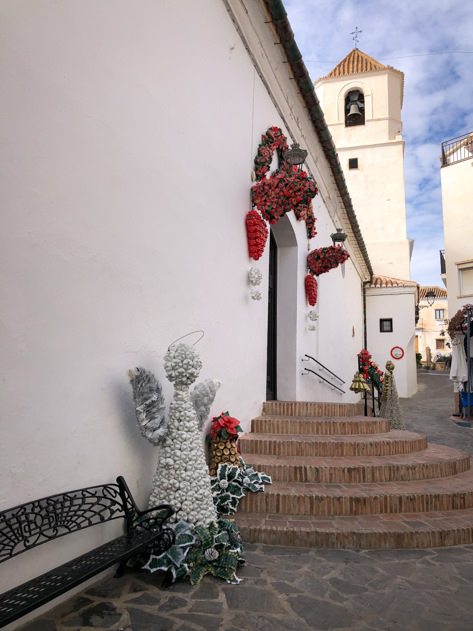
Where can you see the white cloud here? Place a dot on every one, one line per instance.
(438, 89)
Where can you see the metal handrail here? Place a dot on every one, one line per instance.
(332, 385)
(324, 367)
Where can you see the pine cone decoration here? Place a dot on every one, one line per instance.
(222, 450)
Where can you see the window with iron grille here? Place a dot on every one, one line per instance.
(386, 325)
(440, 314)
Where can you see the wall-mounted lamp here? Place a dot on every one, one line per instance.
(295, 155)
(430, 295)
(338, 237)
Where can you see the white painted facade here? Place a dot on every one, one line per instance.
(457, 192)
(128, 136)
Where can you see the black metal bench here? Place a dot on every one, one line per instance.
(34, 523)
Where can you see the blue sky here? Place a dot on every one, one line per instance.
(432, 44)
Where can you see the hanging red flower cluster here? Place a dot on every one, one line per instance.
(369, 369)
(256, 233)
(324, 259)
(284, 191)
(288, 188)
(311, 289)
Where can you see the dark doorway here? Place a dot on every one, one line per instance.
(271, 374)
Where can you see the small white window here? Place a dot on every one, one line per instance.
(465, 278)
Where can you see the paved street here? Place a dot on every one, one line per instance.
(298, 589)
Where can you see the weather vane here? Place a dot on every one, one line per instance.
(355, 34)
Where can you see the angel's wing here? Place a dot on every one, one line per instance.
(202, 397)
(149, 404)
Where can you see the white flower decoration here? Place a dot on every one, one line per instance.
(255, 276)
(313, 315)
(255, 294)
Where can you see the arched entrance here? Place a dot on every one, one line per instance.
(282, 313)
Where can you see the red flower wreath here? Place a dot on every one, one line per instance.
(286, 189)
(311, 289)
(324, 259)
(257, 234)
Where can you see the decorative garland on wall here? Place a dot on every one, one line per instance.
(288, 188)
(311, 289)
(256, 233)
(324, 259)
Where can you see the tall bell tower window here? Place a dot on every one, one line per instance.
(354, 108)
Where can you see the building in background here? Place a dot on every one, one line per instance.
(456, 175)
(432, 339)
(362, 102)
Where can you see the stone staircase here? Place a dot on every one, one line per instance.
(342, 480)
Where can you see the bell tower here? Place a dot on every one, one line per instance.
(362, 100)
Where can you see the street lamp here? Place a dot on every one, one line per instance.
(338, 237)
(430, 295)
(295, 155)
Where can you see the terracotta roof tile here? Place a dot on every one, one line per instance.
(354, 63)
(440, 292)
(387, 281)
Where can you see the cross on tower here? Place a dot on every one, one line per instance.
(355, 34)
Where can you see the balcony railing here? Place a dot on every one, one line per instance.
(457, 149)
(443, 265)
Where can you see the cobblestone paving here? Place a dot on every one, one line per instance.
(299, 589)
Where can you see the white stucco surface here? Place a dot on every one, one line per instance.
(128, 134)
(457, 192)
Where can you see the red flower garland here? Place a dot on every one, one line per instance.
(257, 234)
(286, 189)
(311, 289)
(324, 259)
(282, 192)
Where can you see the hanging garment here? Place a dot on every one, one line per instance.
(458, 370)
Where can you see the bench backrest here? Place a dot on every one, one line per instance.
(34, 523)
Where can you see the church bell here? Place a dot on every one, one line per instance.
(354, 110)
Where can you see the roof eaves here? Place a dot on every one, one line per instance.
(306, 86)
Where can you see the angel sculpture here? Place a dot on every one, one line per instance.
(181, 477)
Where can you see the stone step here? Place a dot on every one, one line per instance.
(309, 408)
(406, 531)
(417, 496)
(435, 461)
(324, 426)
(395, 442)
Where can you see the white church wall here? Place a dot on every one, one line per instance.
(126, 186)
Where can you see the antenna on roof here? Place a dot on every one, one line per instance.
(355, 34)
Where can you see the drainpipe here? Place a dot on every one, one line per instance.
(365, 328)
